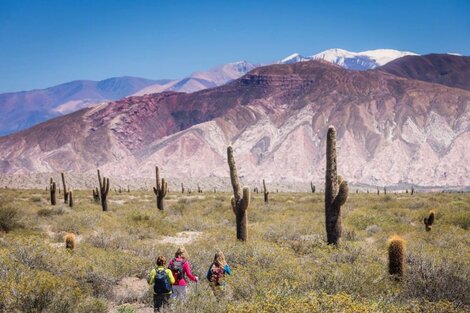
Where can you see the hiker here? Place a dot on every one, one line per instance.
(162, 280)
(181, 269)
(216, 274)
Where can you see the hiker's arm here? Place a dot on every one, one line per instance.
(227, 269)
(187, 271)
(170, 275)
(152, 276)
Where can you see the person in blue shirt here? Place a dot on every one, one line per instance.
(216, 274)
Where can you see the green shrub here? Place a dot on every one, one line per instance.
(8, 218)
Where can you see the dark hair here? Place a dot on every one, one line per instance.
(161, 260)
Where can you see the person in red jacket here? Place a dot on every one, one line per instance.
(181, 269)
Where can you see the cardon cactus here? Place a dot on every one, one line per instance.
(70, 198)
(66, 194)
(240, 200)
(266, 192)
(336, 191)
(52, 190)
(428, 221)
(160, 189)
(104, 189)
(396, 256)
(70, 241)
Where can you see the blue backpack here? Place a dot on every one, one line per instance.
(161, 283)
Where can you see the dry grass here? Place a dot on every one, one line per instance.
(285, 265)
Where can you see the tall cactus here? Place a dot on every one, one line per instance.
(182, 188)
(70, 198)
(265, 192)
(66, 194)
(240, 200)
(52, 190)
(336, 191)
(312, 187)
(160, 190)
(104, 189)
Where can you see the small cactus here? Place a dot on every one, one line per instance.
(240, 200)
(96, 195)
(428, 221)
(104, 190)
(412, 190)
(336, 191)
(312, 187)
(70, 241)
(52, 190)
(160, 189)
(396, 256)
(182, 188)
(265, 192)
(199, 190)
(378, 190)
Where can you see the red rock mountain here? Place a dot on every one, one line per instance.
(445, 69)
(390, 129)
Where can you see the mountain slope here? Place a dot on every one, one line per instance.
(390, 129)
(19, 110)
(445, 69)
(214, 77)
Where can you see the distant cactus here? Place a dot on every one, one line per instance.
(428, 221)
(104, 190)
(378, 190)
(160, 189)
(182, 188)
(336, 191)
(52, 190)
(70, 198)
(396, 256)
(412, 190)
(265, 192)
(66, 194)
(96, 195)
(240, 200)
(385, 190)
(199, 190)
(312, 187)
(70, 241)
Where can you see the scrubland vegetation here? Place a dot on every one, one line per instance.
(284, 266)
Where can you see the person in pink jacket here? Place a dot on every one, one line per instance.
(181, 269)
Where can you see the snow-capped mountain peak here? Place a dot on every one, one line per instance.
(364, 60)
(293, 58)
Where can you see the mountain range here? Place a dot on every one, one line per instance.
(404, 122)
(20, 110)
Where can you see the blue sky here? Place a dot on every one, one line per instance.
(48, 42)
